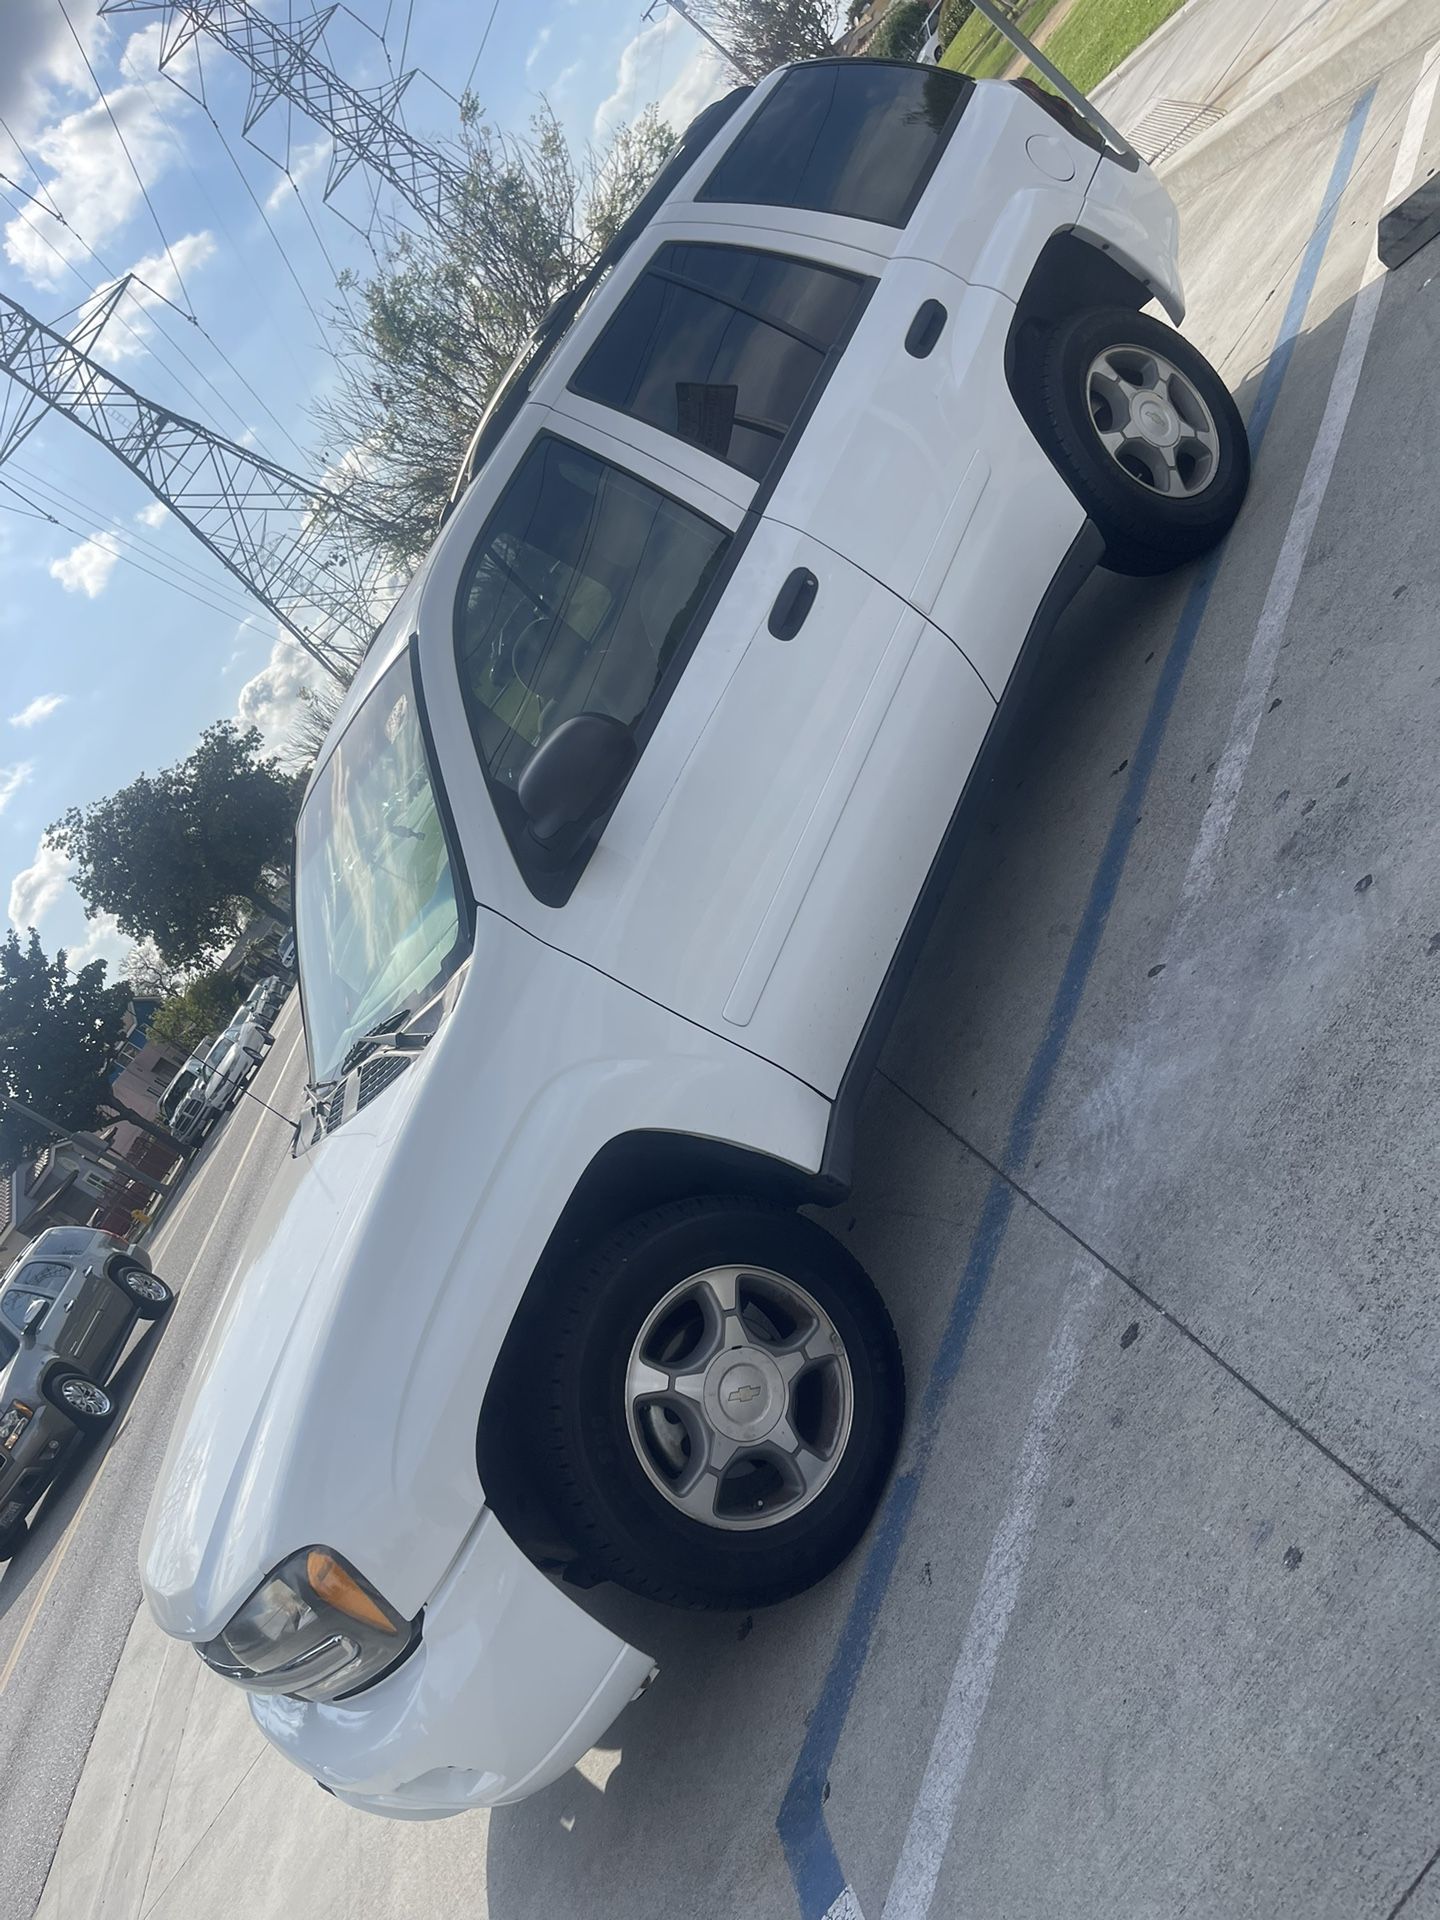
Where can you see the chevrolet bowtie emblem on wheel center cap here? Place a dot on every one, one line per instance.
(740, 1396)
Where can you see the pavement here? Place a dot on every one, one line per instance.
(1146, 1624)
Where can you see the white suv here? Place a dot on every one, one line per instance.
(606, 883)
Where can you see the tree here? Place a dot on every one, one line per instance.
(309, 730)
(760, 35)
(183, 857)
(426, 341)
(953, 16)
(205, 1006)
(901, 34)
(60, 1035)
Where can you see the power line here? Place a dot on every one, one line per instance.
(484, 39)
(139, 181)
(103, 520)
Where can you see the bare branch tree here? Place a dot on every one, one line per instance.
(443, 318)
(760, 35)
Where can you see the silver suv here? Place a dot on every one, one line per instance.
(67, 1306)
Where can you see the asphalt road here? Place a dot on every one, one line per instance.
(68, 1599)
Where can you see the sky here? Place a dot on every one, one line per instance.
(121, 638)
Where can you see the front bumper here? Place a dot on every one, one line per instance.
(511, 1683)
(27, 1469)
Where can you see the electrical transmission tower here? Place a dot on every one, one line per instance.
(283, 65)
(290, 542)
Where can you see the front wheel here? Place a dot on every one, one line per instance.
(83, 1403)
(723, 1392)
(1146, 434)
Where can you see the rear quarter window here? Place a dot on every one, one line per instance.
(853, 137)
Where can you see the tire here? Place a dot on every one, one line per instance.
(1145, 530)
(63, 1382)
(140, 1284)
(12, 1538)
(778, 1519)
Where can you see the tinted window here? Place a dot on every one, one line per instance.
(857, 137)
(580, 592)
(16, 1304)
(721, 346)
(45, 1276)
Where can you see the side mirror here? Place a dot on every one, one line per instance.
(575, 773)
(34, 1314)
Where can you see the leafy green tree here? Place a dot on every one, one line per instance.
(901, 34)
(182, 858)
(203, 1007)
(60, 1035)
(953, 16)
(428, 338)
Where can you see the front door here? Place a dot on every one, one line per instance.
(803, 733)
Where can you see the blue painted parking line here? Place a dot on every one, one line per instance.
(809, 1850)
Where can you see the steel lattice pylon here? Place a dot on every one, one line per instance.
(283, 66)
(286, 539)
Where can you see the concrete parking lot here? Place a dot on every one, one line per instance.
(1146, 1625)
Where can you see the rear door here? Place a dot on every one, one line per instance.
(90, 1314)
(916, 464)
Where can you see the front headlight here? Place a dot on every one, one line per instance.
(314, 1629)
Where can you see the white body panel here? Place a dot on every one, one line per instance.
(708, 975)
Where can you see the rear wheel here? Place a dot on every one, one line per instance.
(1146, 434)
(150, 1295)
(12, 1538)
(84, 1404)
(723, 1401)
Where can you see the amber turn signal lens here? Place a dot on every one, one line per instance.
(343, 1591)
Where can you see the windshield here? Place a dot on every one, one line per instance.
(175, 1093)
(377, 915)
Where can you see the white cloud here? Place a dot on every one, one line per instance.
(12, 779)
(35, 890)
(140, 58)
(305, 163)
(87, 568)
(639, 62)
(90, 180)
(703, 78)
(542, 41)
(104, 941)
(40, 708)
(40, 55)
(155, 515)
(126, 333)
(271, 700)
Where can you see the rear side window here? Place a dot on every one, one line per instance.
(45, 1276)
(855, 137)
(580, 596)
(722, 347)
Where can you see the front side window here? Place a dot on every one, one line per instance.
(721, 346)
(377, 899)
(16, 1304)
(854, 137)
(579, 596)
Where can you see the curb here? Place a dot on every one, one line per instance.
(1384, 36)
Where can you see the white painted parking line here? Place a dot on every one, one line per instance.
(913, 1887)
(1230, 772)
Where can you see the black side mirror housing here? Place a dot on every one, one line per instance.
(575, 774)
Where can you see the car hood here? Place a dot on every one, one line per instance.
(292, 1432)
